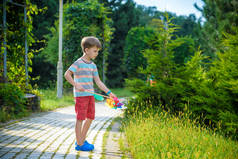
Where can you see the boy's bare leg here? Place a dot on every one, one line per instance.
(78, 133)
(86, 126)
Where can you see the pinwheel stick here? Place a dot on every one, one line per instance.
(97, 94)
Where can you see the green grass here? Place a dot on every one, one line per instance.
(49, 101)
(164, 137)
(5, 116)
(122, 92)
(104, 141)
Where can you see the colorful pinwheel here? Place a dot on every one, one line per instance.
(113, 103)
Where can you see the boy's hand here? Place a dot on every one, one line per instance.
(112, 95)
(79, 87)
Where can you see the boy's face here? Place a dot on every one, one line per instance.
(92, 52)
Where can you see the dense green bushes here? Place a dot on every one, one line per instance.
(208, 89)
(15, 38)
(12, 102)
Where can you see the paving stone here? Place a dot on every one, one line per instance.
(16, 130)
(34, 155)
(112, 146)
(8, 155)
(30, 142)
(98, 144)
(51, 135)
(21, 156)
(58, 156)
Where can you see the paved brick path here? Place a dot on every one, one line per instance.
(52, 135)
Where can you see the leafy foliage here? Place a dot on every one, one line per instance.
(224, 75)
(12, 102)
(124, 17)
(134, 46)
(15, 42)
(184, 51)
(80, 20)
(134, 15)
(208, 92)
(221, 16)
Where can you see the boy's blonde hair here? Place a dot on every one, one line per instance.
(90, 41)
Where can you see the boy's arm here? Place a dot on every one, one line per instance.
(102, 86)
(68, 76)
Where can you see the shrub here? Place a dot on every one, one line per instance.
(209, 90)
(12, 102)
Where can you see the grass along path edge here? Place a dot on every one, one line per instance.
(165, 137)
(113, 139)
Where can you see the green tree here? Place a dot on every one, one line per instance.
(187, 24)
(137, 41)
(211, 93)
(184, 51)
(43, 21)
(220, 17)
(224, 75)
(160, 53)
(42, 24)
(80, 19)
(15, 42)
(41, 28)
(134, 46)
(146, 14)
(124, 17)
(161, 65)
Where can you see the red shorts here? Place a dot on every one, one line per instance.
(85, 107)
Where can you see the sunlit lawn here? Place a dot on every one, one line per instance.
(49, 101)
(122, 92)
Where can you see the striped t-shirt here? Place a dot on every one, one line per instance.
(83, 74)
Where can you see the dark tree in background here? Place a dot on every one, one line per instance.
(124, 17)
(41, 27)
(221, 17)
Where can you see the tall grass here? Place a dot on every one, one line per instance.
(49, 100)
(162, 136)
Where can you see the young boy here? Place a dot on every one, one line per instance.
(85, 71)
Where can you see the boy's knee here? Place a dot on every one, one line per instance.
(89, 120)
(79, 121)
